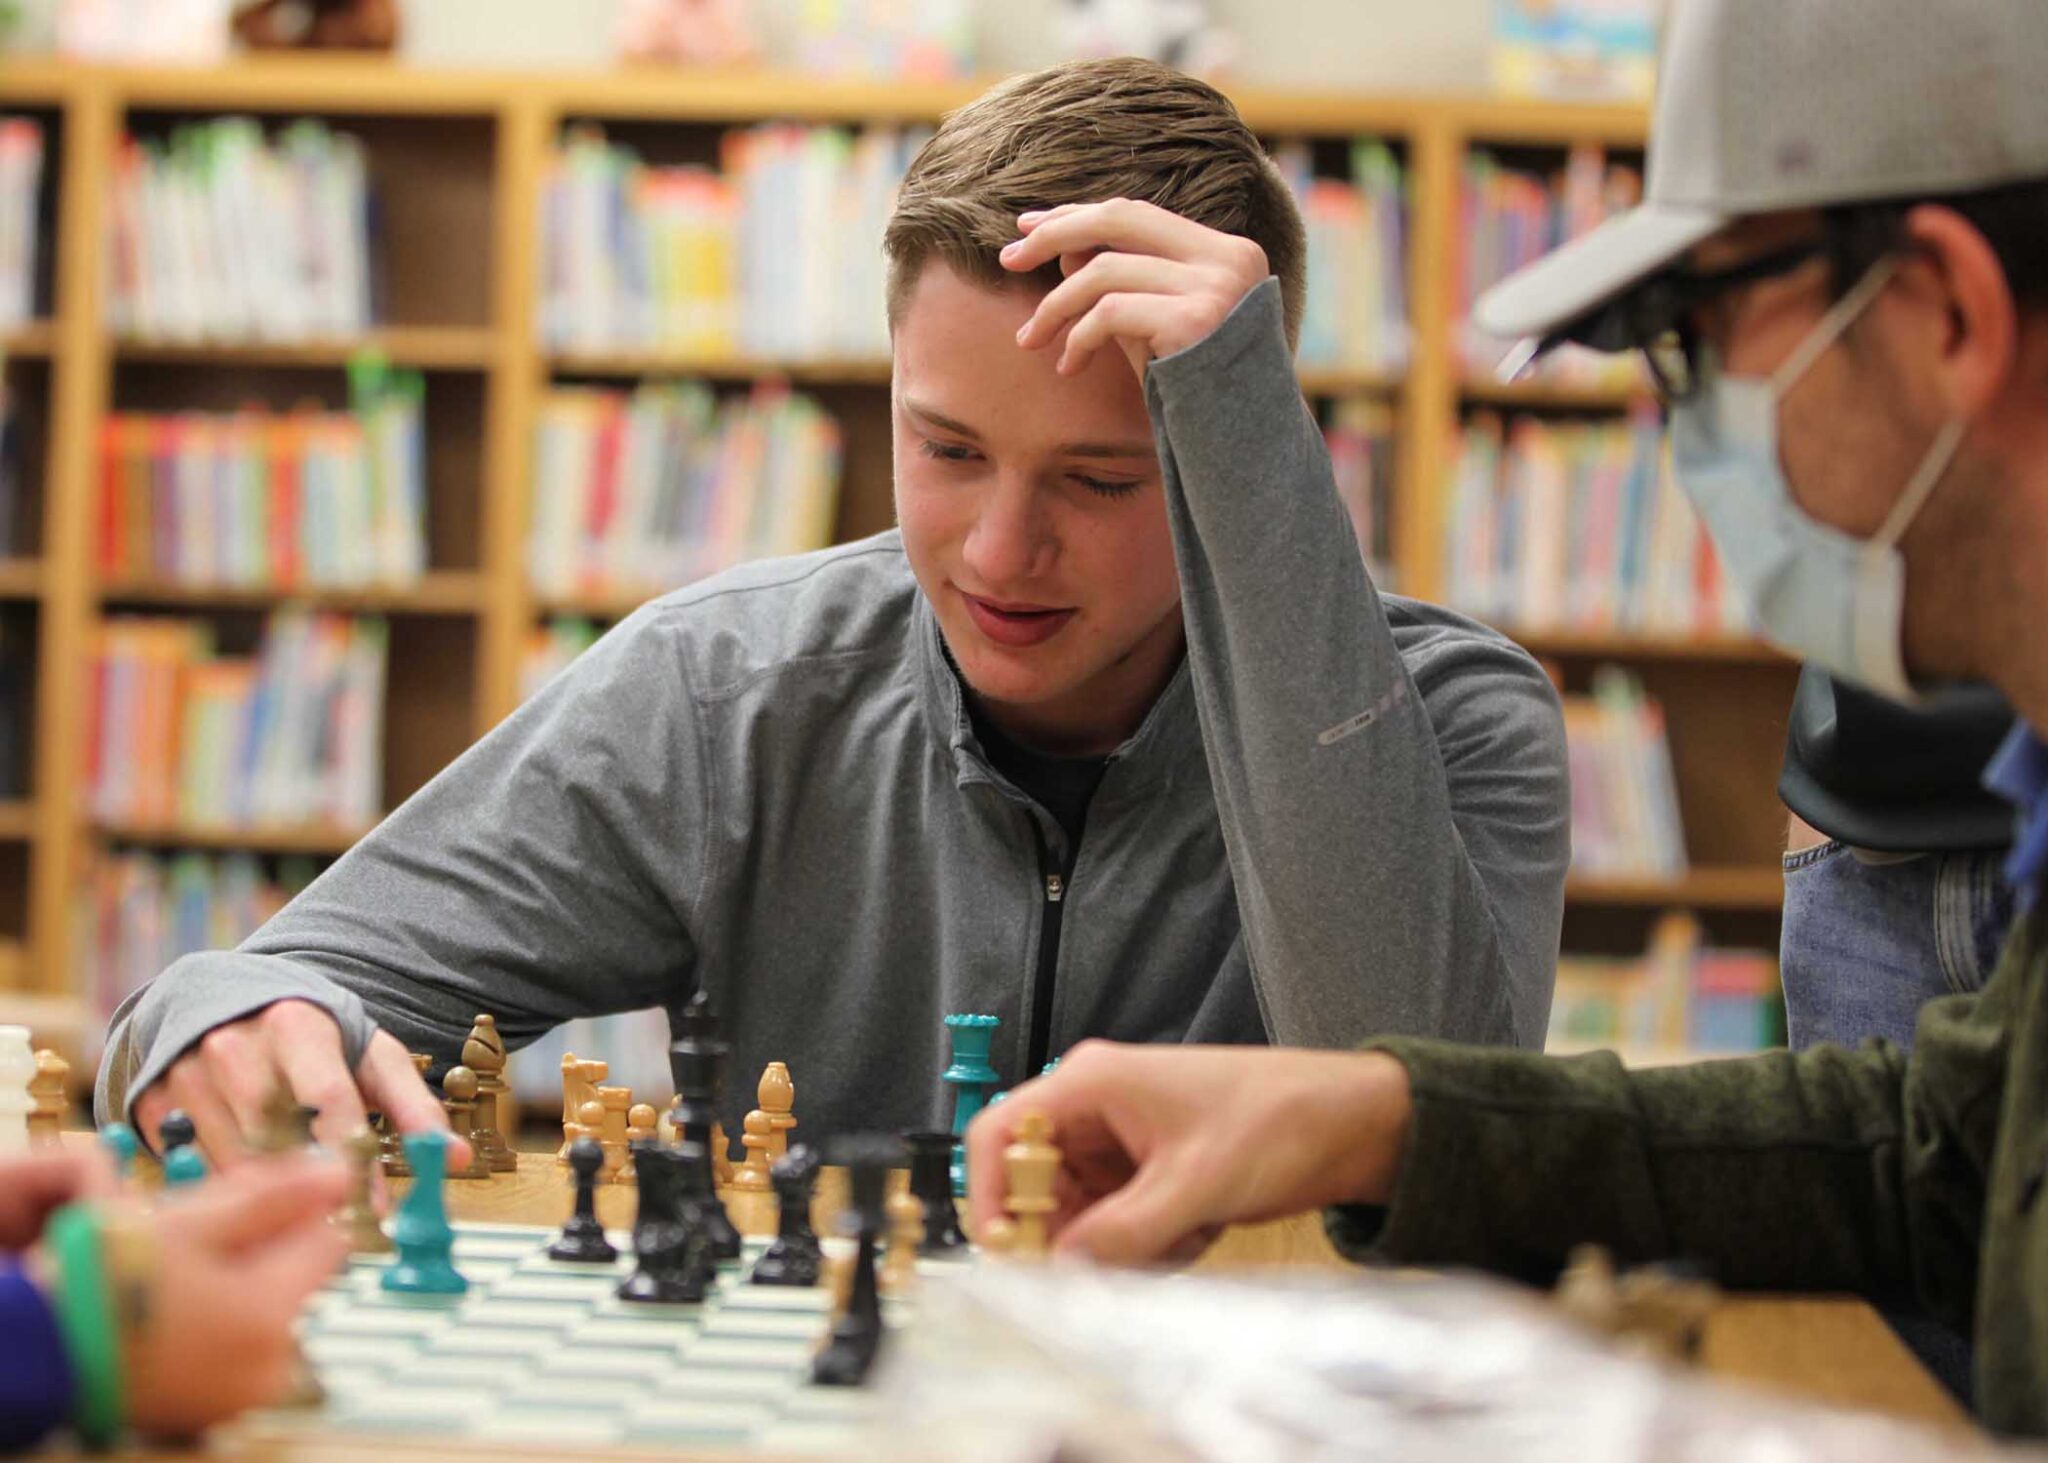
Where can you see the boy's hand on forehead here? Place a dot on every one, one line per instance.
(1149, 280)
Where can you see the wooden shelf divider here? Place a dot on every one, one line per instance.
(307, 838)
(426, 347)
(439, 593)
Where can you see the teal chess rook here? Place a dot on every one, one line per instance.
(971, 1077)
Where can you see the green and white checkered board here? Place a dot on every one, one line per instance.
(544, 1355)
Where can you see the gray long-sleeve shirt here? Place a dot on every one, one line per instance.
(1345, 816)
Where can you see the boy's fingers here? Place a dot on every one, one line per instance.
(1114, 318)
(307, 1044)
(263, 1199)
(1121, 223)
(1126, 273)
(1148, 1219)
(190, 1086)
(402, 1095)
(38, 1182)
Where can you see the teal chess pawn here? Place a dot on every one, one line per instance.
(119, 1141)
(971, 1077)
(420, 1231)
(184, 1166)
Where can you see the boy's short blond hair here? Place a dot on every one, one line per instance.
(1082, 133)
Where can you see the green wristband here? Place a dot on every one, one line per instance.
(85, 1314)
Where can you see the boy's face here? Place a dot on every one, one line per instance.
(1033, 516)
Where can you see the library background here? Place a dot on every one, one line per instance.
(347, 397)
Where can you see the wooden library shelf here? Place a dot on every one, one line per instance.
(443, 593)
(1730, 649)
(17, 820)
(630, 364)
(309, 838)
(20, 579)
(1347, 381)
(1729, 886)
(426, 347)
(1553, 395)
(30, 342)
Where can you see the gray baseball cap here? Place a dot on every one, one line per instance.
(1767, 105)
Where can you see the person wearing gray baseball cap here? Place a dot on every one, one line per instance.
(1839, 278)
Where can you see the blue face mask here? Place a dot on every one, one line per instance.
(1835, 601)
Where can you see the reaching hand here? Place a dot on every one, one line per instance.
(223, 1081)
(1161, 1146)
(235, 1260)
(1149, 280)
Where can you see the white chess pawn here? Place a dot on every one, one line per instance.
(17, 1070)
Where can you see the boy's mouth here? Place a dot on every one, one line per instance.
(1015, 625)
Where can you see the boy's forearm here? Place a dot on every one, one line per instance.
(1362, 903)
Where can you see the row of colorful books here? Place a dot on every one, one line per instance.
(1625, 814)
(21, 192)
(279, 499)
(645, 490)
(777, 254)
(1511, 217)
(220, 232)
(138, 911)
(180, 734)
(1574, 526)
(1356, 303)
(1359, 432)
(1683, 996)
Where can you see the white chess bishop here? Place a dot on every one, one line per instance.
(17, 1070)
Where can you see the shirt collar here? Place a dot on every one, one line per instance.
(2019, 774)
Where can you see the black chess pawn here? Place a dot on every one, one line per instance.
(796, 1258)
(670, 1266)
(582, 1240)
(694, 1059)
(857, 1334)
(931, 1180)
(175, 1131)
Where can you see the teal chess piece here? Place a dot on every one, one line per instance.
(184, 1166)
(971, 1077)
(420, 1230)
(119, 1140)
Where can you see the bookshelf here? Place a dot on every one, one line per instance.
(459, 161)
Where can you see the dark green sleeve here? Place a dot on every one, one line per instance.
(1830, 1170)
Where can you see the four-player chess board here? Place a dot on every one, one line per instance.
(542, 1355)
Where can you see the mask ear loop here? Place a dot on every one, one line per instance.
(1831, 325)
(1925, 479)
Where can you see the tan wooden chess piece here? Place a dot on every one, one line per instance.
(591, 1124)
(906, 1233)
(777, 1096)
(752, 1177)
(459, 1089)
(618, 1107)
(642, 1122)
(358, 1217)
(50, 1098)
(580, 1077)
(1032, 1164)
(391, 1143)
(722, 1172)
(484, 1054)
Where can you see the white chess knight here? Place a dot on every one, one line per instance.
(17, 1069)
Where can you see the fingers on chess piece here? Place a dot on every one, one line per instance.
(358, 1217)
(582, 1240)
(49, 1094)
(931, 1156)
(795, 1257)
(459, 1089)
(484, 1054)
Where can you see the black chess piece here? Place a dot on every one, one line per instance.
(669, 1261)
(796, 1257)
(697, 1203)
(696, 1059)
(931, 1180)
(175, 1131)
(857, 1334)
(582, 1240)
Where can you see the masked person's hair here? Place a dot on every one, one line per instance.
(2013, 218)
(1083, 133)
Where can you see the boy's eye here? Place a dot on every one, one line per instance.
(1107, 487)
(946, 451)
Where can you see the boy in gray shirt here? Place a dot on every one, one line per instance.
(1113, 736)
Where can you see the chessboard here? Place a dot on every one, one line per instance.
(542, 1356)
